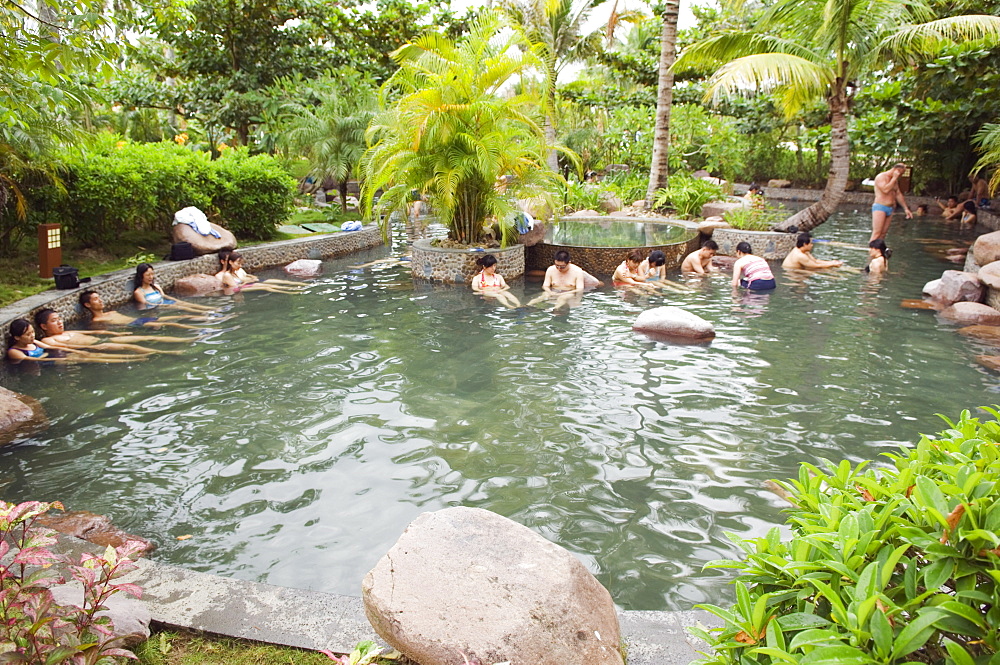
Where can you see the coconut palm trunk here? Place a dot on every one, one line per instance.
(840, 161)
(659, 169)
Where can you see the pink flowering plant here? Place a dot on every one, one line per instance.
(33, 627)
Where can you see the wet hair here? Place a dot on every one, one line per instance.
(899, 165)
(953, 198)
(657, 258)
(803, 239)
(710, 244)
(17, 328)
(486, 261)
(879, 244)
(755, 187)
(141, 270)
(42, 317)
(232, 256)
(922, 206)
(744, 247)
(224, 256)
(562, 256)
(969, 206)
(85, 298)
(635, 256)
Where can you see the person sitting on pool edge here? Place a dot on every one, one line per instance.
(750, 271)
(54, 334)
(627, 273)
(490, 284)
(700, 260)
(22, 345)
(90, 301)
(148, 294)
(801, 258)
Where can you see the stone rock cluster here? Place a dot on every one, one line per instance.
(674, 323)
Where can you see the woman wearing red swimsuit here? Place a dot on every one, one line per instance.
(491, 285)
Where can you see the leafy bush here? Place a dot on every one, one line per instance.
(35, 628)
(629, 186)
(252, 194)
(756, 219)
(686, 195)
(582, 196)
(889, 565)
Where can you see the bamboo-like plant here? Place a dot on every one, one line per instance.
(447, 131)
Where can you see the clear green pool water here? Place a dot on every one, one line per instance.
(611, 233)
(295, 445)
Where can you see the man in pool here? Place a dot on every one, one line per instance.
(564, 282)
(54, 334)
(887, 195)
(90, 301)
(801, 258)
(700, 260)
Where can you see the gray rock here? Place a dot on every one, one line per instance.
(779, 184)
(958, 286)
(610, 203)
(674, 322)
(535, 235)
(93, 528)
(986, 249)
(537, 207)
(709, 225)
(972, 313)
(129, 616)
(932, 288)
(304, 267)
(204, 244)
(720, 208)
(199, 284)
(468, 581)
(18, 414)
(584, 213)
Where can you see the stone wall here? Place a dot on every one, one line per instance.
(458, 266)
(770, 245)
(116, 287)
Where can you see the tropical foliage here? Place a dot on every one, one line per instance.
(686, 195)
(891, 564)
(447, 133)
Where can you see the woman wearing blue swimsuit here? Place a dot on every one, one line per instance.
(22, 346)
(148, 295)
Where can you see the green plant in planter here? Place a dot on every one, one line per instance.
(686, 195)
(755, 219)
(889, 565)
(447, 132)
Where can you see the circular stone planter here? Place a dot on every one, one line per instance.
(458, 266)
(770, 245)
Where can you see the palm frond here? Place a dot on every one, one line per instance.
(927, 38)
(799, 79)
(728, 46)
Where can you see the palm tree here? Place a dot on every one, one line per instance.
(825, 49)
(448, 133)
(988, 141)
(658, 169)
(553, 29)
(330, 134)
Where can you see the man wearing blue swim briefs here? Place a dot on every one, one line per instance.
(887, 195)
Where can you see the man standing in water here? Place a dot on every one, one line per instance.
(887, 194)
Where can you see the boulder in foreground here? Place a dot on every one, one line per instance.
(305, 267)
(674, 322)
(19, 414)
(199, 284)
(465, 582)
(972, 313)
(204, 244)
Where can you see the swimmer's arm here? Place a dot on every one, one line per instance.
(695, 267)
(105, 332)
(902, 202)
(547, 282)
(578, 283)
(503, 284)
(475, 284)
(140, 297)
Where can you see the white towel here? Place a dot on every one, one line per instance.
(197, 220)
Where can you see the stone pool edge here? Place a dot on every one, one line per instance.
(113, 286)
(181, 598)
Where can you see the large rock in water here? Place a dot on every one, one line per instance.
(959, 286)
(204, 244)
(972, 313)
(19, 414)
(199, 284)
(93, 528)
(674, 322)
(986, 249)
(304, 267)
(468, 581)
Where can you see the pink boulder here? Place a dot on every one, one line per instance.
(534, 235)
(972, 313)
(204, 244)
(673, 322)
(19, 414)
(958, 286)
(986, 249)
(305, 267)
(199, 284)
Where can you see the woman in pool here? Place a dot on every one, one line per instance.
(969, 213)
(879, 255)
(22, 345)
(148, 295)
(629, 274)
(492, 285)
(653, 268)
(750, 271)
(55, 335)
(235, 278)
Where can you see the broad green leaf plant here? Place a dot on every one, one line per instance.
(890, 565)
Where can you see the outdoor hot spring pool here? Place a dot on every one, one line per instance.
(294, 444)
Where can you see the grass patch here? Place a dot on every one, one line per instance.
(331, 215)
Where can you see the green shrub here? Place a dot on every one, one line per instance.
(582, 196)
(756, 219)
(895, 564)
(253, 194)
(686, 195)
(629, 186)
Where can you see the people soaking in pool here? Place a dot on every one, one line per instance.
(54, 334)
(22, 345)
(654, 267)
(491, 284)
(700, 260)
(627, 273)
(564, 282)
(148, 295)
(801, 258)
(91, 302)
(750, 271)
(878, 255)
(234, 278)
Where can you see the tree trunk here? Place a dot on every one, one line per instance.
(840, 161)
(342, 188)
(659, 168)
(551, 156)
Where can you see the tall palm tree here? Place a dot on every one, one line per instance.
(447, 132)
(553, 29)
(658, 169)
(330, 134)
(826, 49)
